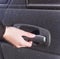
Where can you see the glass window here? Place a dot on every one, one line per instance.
(44, 1)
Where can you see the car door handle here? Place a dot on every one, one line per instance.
(42, 38)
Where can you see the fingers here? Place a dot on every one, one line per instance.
(19, 46)
(23, 43)
(29, 44)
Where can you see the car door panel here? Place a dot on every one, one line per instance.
(47, 19)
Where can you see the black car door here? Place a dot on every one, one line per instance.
(45, 14)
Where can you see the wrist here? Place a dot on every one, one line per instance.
(2, 30)
(5, 33)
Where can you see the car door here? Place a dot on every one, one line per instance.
(45, 14)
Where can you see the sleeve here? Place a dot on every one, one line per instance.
(2, 29)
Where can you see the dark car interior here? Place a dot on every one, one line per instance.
(41, 13)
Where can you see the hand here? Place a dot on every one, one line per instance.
(14, 36)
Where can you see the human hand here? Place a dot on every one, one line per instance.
(14, 36)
